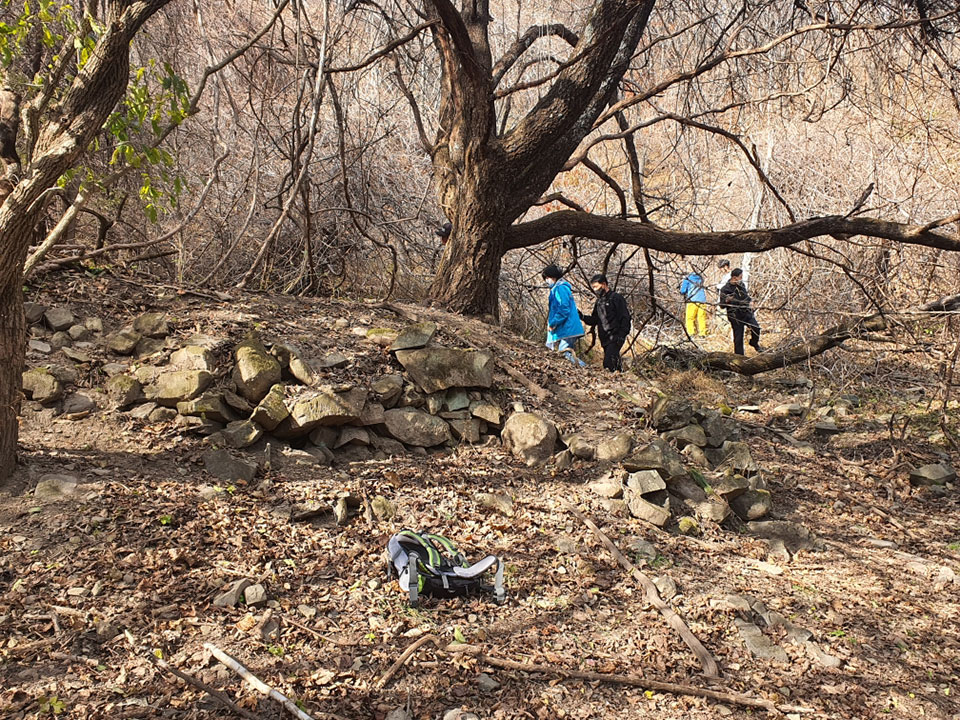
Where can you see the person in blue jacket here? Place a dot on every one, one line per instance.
(563, 318)
(696, 296)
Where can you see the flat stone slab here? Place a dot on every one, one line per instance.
(759, 644)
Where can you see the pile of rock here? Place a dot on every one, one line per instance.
(269, 390)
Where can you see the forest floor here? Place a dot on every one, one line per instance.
(150, 539)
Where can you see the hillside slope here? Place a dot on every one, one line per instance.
(845, 606)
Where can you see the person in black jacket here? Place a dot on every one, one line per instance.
(612, 318)
(737, 302)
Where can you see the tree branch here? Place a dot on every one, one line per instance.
(524, 42)
(596, 227)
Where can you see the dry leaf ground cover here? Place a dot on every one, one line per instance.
(151, 539)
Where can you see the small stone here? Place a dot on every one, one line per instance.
(413, 337)
(256, 370)
(819, 656)
(333, 360)
(486, 411)
(175, 386)
(691, 434)
(645, 481)
(60, 340)
(41, 385)
(487, 684)
(241, 405)
(79, 332)
(39, 346)
(580, 447)
(563, 460)
(688, 526)
(383, 337)
(293, 363)
(93, 324)
(33, 312)
(933, 474)
(77, 405)
(466, 430)
(529, 437)
(272, 410)
(255, 595)
(142, 412)
(566, 546)
(666, 586)
(59, 318)
(223, 465)
(123, 342)
(456, 399)
(231, 596)
(648, 511)
(148, 346)
(642, 549)
(193, 357)
(502, 504)
(615, 449)
(78, 356)
(383, 509)
(56, 487)
(788, 410)
(826, 427)
(758, 644)
(162, 414)
(752, 504)
(350, 435)
(152, 325)
(241, 433)
(389, 388)
(308, 611)
(210, 405)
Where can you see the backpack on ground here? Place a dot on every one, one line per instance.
(429, 564)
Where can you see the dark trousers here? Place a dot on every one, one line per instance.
(739, 324)
(611, 354)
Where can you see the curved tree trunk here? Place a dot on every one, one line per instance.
(87, 103)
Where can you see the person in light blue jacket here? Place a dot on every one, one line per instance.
(696, 296)
(563, 318)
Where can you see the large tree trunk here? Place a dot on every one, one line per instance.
(12, 341)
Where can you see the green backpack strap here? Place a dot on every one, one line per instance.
(429, 558)
(447, 545)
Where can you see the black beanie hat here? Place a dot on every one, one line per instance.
(551, 271)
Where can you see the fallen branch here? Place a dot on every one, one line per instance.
(256, 682)
(645, 683)
(406, 655)
(710, 668)
(830, 338)
(186, 677)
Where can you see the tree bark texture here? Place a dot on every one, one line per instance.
(486, 180)
(70, 127)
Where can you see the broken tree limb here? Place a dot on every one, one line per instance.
(710, 668)
(187, 678)
(256, 682)
(406, 655)
(645, 683)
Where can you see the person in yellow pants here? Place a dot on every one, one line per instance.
(695, 294)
